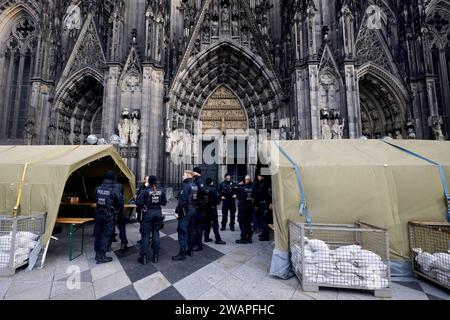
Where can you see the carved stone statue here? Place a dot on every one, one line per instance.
(337, 130)
(435, 122)
(124, 128)
(225, 18)
(326, 130)
(29, 133)
(169, 139)
(215, 25)
(135, 129)
(235, 23)
(398, 135)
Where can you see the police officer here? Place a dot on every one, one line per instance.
(186, 211)
(139, 195)
(122, 223)
(227, 192)
(211, 215)
(109, 201)
(152, 218)
(263, 198)
(245, 194)
(200, 218)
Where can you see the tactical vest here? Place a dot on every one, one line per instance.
(155, 198)
(193, 196)
(248, 193)
(105, 199)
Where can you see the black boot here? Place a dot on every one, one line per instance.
(241, 241)
(207, 240)
(108, 249)
(123, 247)
(143, 260)
(190, 252)
(104, 259)
(231, 228)
(223, 228)
(198, 248)
(220, 242)
(181, 256)
(249, 240)
(155, 257)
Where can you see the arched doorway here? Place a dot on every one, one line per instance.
(383, 108)
(17, 55)
(223, 124)
(78, 111)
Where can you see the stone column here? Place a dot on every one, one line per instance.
(110, 106)
(301, 101)
(352, 101)
(445, 86)
(156, 139)
(39, 109)
(145, 122)
(313, 71)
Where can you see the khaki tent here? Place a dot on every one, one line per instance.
(47, 171)
(356, 180)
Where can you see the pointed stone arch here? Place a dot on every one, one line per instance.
(18, 30)
(236, 67)
(254, 42)
(223, 107)
(331, 86)
(76, 103)
(384, 103)
(87, 53)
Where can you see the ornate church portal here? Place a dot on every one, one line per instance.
(223, 124)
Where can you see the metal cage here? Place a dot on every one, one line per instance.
(429, 244)
(341, 256)
(19, 240)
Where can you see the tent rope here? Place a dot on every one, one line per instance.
(438, 165)
(303, 206)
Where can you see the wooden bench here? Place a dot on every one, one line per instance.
(75, 223)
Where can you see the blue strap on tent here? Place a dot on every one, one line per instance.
(303, 206)
(441, 172)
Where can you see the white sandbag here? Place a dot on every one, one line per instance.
(308, 256)
(27, 235)
(344, 257)
(326, 268)
(352, 249)
(338, 281)
(4, 257)
(22, 251)
(367, 255)
(317, 279)
(365, 273)
(26, 243)
(19, 259)
(425, 260)
(441, 261)
(443, 277)
(318, 245)
(323, 257)
(5, 243)
(310, 270)
(376, 282)
(332, 273)
(346, 267)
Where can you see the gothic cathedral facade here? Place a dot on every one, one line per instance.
(71, 69)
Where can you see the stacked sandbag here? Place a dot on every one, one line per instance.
(347, 266)
(24, 244)
(435, 265)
